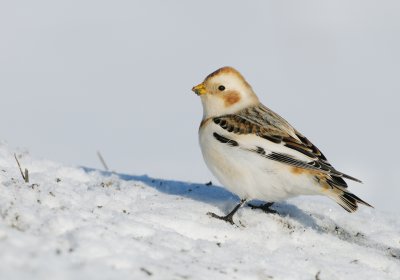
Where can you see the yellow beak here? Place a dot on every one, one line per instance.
(199, 89)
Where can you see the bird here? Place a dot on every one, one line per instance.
(256, 154)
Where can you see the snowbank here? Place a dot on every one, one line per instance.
(80, 223)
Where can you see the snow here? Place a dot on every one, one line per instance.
(81, 223)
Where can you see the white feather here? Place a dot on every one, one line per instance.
(248, 174)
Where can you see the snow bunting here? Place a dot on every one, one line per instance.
(257, 154)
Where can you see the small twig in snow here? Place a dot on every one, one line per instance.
(149, 273)
(103, 162)
(26, 176)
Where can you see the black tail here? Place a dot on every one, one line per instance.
(348, 200)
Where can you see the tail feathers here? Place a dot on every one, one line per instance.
(347, 200)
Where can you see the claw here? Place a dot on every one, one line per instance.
(264, 207)
(228, 218)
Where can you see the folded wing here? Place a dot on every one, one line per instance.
(292, 148)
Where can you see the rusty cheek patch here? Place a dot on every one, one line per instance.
(231, 98)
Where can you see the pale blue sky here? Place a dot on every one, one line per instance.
(115, 76)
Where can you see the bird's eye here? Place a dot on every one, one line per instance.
(221, 88)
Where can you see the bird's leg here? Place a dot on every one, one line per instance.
(228, 218)
(266, 207)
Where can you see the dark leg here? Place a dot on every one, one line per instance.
(228, 218)
(266, 207)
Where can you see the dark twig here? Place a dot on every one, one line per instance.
(26, 176)
(103, 162)
(149, 273)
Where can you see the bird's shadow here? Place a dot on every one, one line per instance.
(211, 194)
(206, 192)
(223, 199)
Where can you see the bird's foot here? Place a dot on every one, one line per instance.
(228, 218)
(266, 207)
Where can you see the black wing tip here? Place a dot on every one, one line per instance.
(352, 178)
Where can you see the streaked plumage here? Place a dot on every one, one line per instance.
(257, 154)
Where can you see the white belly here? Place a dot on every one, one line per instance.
(248, 174)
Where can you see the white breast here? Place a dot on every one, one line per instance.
(248, 174)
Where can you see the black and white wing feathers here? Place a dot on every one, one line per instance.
(294, 148)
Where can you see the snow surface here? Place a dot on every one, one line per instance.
(80, 223)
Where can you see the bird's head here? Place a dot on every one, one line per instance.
(225, 91)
